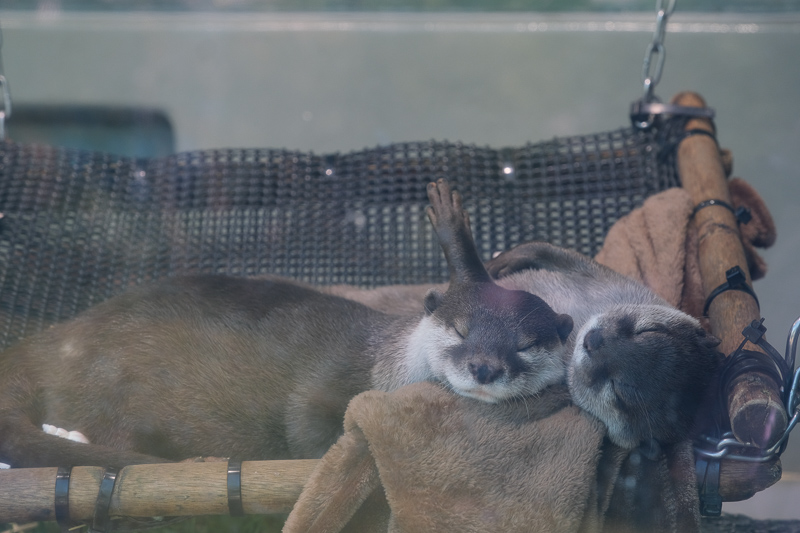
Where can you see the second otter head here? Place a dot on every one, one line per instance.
(644, 371)
(491, 343)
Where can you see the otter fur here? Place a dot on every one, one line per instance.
(263, 368)
(635, 362)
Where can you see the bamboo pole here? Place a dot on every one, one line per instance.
(168, 489)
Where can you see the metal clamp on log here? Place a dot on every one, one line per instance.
(711, 450)
(101, 521)
(235, 488)
(61, 502)
(742, 213)
(670, 147)
(708, 479)
(735, 280)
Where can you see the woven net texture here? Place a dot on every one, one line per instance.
(79, 227)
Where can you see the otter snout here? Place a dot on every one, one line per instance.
(485, 372)
(593, 341)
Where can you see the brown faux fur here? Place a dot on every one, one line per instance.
(655, 244)
(450, 463)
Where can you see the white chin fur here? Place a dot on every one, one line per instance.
(466, 386)
(479, 394)
(75, 436)
(503, 389)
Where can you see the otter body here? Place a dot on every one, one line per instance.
(196, 366)
(263, 368)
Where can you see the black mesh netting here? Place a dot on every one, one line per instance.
(79, 226)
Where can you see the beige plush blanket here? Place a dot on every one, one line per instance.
(424, 459)
(654, 245)
(449, 463)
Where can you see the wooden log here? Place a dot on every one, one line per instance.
(754, 405)
(740, 480)
(756, 411)
(170, 489)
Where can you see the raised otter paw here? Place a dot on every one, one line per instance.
(451, 224)
(450, 220)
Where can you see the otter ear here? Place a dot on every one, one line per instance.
(564, 326)
(432, 301)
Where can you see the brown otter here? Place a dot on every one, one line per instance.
(263, 369)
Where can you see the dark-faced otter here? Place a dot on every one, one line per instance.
(641, 366)
(638, 364)
(263, 369)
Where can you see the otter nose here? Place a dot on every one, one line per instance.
(593, 340)
(485, 373)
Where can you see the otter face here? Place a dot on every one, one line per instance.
(643, 370)
(495, 343)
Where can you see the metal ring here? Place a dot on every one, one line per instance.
(101, 520)
(235, 507)
(736, 281)
(62, 494)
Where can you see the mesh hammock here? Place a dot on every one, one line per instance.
(79, 227)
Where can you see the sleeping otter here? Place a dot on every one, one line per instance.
(640, 365)
(635, 362)
(263, 369)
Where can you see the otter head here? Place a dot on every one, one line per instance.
(644, 371)
(494, 343)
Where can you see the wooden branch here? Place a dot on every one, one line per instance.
(740, 480)
(756, 411)
(754, 404)
(169, 489)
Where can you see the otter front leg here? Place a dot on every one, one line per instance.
(539, 256)
(451, 224)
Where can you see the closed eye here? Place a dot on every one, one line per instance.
(653, 329)
(461, 330)
(526, 344)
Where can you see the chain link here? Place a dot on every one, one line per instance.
(651, 70)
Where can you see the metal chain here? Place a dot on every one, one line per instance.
(655, 50)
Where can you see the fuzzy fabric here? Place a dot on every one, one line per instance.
(450, 463)
(654, 244)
